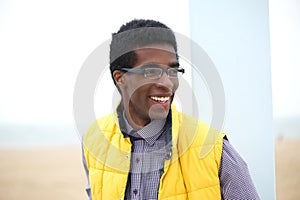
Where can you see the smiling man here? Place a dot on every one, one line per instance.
(147, 91)
(147, 149)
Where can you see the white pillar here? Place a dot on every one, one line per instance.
(235, 35)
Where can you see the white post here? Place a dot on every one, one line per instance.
(235, 35)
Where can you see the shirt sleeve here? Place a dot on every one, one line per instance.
(88, 188)
(235, 179)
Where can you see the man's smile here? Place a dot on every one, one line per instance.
(160, 99)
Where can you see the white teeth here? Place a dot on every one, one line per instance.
(160, 99)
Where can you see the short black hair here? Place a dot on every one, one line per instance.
(134, 34)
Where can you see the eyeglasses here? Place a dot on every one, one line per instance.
(155, 72)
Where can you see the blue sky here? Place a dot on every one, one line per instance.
(44, 43)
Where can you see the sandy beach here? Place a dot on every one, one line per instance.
(56, 172)
(287, 164)
(46, 173)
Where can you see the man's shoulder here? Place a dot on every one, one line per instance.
(102, 124)
(197, 133)
(190, 122)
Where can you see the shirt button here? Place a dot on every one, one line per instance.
(127, 156)
(135, 191)
(137, 160)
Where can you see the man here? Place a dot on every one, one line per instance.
(147, 149)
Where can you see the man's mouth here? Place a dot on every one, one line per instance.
(160, 99)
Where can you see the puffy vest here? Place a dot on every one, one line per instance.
(191, 173)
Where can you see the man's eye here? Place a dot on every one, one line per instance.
(150, 72)
(172, 72)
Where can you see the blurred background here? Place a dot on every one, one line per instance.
(43, 45)
(285, 62)
(285, 49)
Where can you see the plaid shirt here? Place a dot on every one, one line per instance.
(151, 145)
(147, 160)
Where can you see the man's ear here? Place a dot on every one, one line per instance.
(118, 77)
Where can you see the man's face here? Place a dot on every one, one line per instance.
(147, 99)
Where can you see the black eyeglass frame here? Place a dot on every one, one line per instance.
(143, 71)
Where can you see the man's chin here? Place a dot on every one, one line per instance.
(157, 112)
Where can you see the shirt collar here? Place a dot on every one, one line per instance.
(150, 133)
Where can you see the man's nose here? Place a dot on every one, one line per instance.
(165, 81)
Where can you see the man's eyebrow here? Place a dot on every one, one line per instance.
(174, 64)
(151, 64)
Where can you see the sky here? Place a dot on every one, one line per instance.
(43, 45)
(285, 51)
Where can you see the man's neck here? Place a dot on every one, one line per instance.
(135, 122)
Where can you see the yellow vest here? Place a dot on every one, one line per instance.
(191, 173)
